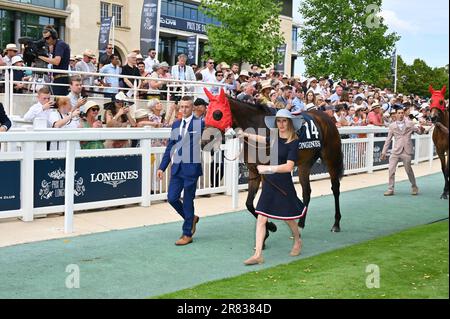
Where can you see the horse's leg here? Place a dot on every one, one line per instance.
(253, 188)
(335, 170)
(444, 166)
(304, 176)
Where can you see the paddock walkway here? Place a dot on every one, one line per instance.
(13, 231)
(143, 262)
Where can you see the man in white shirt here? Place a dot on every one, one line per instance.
(151, 61)
(183, 72)
(76, 87)
(43, 108)
(209, 74)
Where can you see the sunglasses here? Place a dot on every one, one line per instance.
(220, 75)
(210, 62)
(46, 38)
(95, 110)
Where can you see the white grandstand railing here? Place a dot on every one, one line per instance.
(174, 87)
(23, 145)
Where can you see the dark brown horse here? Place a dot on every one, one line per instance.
(439, 114)
(249, 116)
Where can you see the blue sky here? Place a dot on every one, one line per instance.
(422, 25)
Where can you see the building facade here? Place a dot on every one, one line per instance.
(78, 22)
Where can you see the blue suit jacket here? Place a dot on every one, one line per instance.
(186, 152)
(4, 120)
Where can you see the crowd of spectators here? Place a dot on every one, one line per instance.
(347, 102)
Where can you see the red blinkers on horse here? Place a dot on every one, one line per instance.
(439, 114)
(219, 111)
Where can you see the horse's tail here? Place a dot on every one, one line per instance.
(340, 169)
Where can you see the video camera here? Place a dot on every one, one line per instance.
(34, 49)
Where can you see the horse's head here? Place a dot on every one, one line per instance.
(437, 103)
(218, 120)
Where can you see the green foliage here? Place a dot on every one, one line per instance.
(346, 38)
(249, 30)
(416, 78)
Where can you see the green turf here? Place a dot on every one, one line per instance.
(412, 264)
(144, 262)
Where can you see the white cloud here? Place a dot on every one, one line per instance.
(397, 24)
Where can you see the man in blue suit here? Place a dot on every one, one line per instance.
(184, 153)
(5, 123)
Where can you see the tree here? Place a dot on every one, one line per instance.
(416, 78)
(249, 30)
(346, 38)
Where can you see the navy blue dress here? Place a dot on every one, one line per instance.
(273, 203)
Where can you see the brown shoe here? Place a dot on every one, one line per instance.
(415, 191)
(194, 226)
(389, 193)
(183, 241)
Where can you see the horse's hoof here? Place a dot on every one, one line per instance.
(336, 229)
(272, 227)
(444, 196)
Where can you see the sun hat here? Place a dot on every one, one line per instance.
(376, 105)
(11, 47)
(89, 53)
(244, 73)
(140, 114)
(266, 85)
(16, 59)
(271, 120)
(89, 105)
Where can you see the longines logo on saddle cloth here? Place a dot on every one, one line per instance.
(309, 135)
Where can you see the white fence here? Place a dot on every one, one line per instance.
(22, 145)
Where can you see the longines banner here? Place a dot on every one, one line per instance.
(96, 179)
(10, 186)
(149, 25)
(103, 38)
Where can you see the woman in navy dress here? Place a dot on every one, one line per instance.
(279, 198)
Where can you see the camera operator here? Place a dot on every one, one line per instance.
(60, 60)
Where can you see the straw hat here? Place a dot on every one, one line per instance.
(89, 105)
(11, 47)
(266, 85)
(140, 114)
(224, 65)
(244, 73)
(89, 53)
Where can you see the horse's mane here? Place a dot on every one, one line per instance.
(258, 106)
